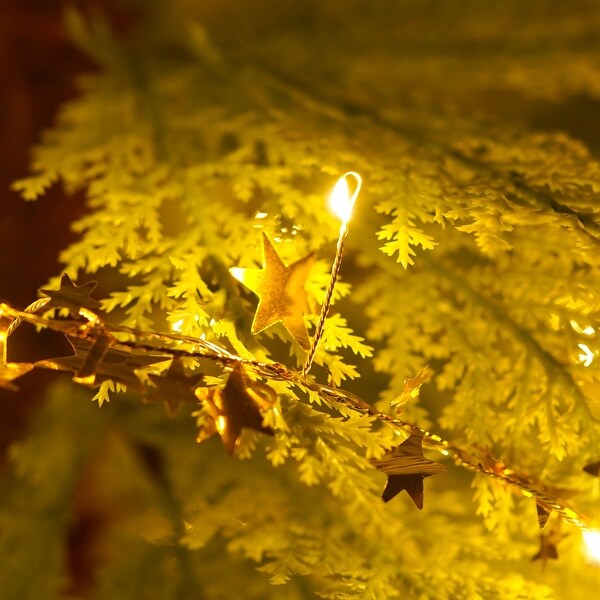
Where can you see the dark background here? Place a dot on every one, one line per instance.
(38, 71)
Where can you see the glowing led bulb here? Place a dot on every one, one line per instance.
(340, 200)
(341, 203)
(592, 544)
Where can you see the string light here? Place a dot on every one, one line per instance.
(163, 342)
(340, 201)
(592, 544)
(342, 204)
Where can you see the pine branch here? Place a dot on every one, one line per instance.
(336, 109)
(190, 152)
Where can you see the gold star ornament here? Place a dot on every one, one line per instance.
(174, 387)
(406, 467)
(71, 296)
(239, 404)
(549, 545)
(280, 288)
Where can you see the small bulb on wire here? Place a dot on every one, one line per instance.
(339, 200)
(592, 544)
(341, 203)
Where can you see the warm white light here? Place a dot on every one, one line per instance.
(592, 544)
(587, 356)
(340, 200)
(341, 203)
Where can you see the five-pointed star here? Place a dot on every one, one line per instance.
(115, 363)
(548, 548)
(238, 405)
(174, 387)
(406, 467)
(72, 296)
(281, 292)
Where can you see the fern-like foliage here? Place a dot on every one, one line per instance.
(474, 248)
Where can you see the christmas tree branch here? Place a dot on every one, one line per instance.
(336, 109)
(553, 368)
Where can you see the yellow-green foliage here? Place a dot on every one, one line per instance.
(475, 248)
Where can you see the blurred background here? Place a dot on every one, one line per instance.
(38, 67)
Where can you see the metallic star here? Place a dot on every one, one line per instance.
(282, 297)
(174, 387)
(237, 405)
(406, 467)
(72, 296)
(548, 547)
